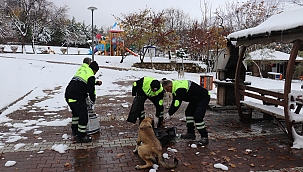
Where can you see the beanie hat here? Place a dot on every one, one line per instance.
(94, 66)
(155, 85)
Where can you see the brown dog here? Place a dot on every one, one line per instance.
(149, 147)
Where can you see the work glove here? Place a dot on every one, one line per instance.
(92, 107)
(156, 122)
(90, 104)
(99, 83)
(166, 117)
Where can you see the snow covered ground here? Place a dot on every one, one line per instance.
(23, 73)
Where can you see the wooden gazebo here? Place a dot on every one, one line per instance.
(286, 27)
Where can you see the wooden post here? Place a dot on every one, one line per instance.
(287, 85)
(237, 83)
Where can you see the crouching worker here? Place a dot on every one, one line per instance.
(147, 88)
(82, 85)
(198, 98)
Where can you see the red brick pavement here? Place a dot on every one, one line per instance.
(229, 140)
(266, 155)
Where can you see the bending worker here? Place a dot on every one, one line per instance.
(147, 88)
(198, 98)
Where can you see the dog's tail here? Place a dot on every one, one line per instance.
(168, 166)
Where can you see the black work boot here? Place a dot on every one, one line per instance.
(74, 136)
(188, 136)
(204, 137)
(190, 132)
(203, 141)
(74, 133)
(85, 139)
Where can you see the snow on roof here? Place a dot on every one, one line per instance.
(266, 54)
(288, 19)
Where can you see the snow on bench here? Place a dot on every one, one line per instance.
(275, 111)
(295, 118)
(271, 110)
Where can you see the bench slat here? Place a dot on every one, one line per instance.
(263, 91)
(271, 110)
(263, 98)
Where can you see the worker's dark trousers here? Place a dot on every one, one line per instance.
(195, 113)
(137, 109)
(159, 109)
(80, 117)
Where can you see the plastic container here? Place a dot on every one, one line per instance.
(93, 125)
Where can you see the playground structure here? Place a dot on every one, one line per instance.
(113, 44)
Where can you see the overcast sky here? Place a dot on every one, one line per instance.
(103, 15)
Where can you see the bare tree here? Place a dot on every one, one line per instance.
(30, 18)
(43, 15)
(206, 14)
(134, 26)
(145, 28)
(238, 16)
(178, 22)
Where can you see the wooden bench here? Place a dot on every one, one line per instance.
(272, 102)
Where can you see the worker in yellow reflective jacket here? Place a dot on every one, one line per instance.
(79, 88)
(198, 98)
(147, 88)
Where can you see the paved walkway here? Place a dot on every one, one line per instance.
(256, 146)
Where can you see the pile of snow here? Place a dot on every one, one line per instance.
(221, 166)
(61, 148)
(10, 163)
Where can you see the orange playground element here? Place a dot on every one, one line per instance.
(131, 51)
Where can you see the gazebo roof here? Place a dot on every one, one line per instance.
(284, 27)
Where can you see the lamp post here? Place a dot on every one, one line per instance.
(92, 9)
